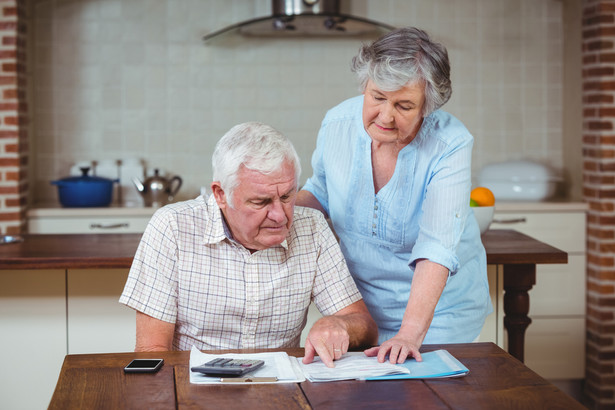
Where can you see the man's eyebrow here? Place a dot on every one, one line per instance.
(290, 191)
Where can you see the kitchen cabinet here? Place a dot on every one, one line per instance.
(555, 341)
(96, 321)
(50, 220)
(33, 342)
(47, 314)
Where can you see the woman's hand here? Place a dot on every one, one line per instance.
(398, 348)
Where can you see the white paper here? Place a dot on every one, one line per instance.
(277, 364)
(352, 365)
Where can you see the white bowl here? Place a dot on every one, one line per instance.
(484, 216)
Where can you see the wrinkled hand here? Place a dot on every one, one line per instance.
(399, 348)
(328, 339)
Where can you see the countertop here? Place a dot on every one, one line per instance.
(58, 211)
(55, 210)
(545, 206)
(66, 251)
(92, 251)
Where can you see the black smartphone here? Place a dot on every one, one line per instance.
(144, 366)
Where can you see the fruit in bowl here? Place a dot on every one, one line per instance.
(482, 203)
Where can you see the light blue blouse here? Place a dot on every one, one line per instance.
(421, 213)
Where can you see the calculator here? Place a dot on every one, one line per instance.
(228, 367)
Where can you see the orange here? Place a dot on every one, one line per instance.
(482, 196)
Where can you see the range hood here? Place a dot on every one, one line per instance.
(305, 18)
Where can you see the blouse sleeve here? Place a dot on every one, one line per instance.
(445, 207)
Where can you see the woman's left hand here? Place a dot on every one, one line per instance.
(398, 348)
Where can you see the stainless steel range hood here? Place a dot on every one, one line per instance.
(305, 18)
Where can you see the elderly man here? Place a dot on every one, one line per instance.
(239, 269)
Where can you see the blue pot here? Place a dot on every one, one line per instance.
(85, 191)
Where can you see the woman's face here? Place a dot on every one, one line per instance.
(393, 116)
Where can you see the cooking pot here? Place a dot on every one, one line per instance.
(85, 191)
(521, 180)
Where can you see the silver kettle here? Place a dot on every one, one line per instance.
(157, 190)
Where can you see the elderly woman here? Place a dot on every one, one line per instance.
(392, 172)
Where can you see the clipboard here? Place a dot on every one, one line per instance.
(279, 367)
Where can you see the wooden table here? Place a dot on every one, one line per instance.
(496, 380)
(518, 253)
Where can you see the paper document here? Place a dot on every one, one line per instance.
(436, 364)
(353, 365)
(277, 365)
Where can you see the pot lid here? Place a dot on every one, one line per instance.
(85, 178)
(518, 171)
(301, 18)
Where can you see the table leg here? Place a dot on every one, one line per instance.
(518, 280)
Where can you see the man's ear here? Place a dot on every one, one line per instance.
(219, 194)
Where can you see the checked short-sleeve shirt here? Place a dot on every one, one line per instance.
(188, 271)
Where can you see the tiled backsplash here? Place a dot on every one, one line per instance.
(116, 79)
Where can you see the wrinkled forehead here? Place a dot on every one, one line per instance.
(278, 182)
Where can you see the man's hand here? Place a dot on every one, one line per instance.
(328, 339)
(399, 348)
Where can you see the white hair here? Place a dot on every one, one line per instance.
(257, 147)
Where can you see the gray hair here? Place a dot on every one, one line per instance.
(402, 56)
(257, 147)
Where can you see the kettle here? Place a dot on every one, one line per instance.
(157, 190)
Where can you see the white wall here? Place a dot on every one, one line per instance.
(117, 79)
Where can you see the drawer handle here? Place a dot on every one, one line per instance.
(112, 226)
(510, 221)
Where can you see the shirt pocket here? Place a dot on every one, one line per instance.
(289, 312)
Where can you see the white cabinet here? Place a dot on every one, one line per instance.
(88, 220)
(97, 322)
(33, 342)
(555, 340)
(47, 314)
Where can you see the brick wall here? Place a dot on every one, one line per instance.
(599, 192)
(13, 117)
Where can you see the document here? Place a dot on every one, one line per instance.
(281, 368)
(353, 365)
(436, 364)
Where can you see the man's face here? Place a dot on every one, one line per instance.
(263, 206)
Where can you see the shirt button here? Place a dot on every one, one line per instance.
(375, 215)
(374, 225)
(376, 207)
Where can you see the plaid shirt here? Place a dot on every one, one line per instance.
(188, 271)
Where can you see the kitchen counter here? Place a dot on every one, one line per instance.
(49, 210)
(544, 206)
(77, 251)
(70, 251)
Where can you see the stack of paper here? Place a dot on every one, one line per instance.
(353, 365)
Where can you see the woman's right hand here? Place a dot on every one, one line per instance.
(398, 348)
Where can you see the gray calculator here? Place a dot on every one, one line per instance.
(225, 367)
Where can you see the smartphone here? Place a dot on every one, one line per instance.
(144, 366)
